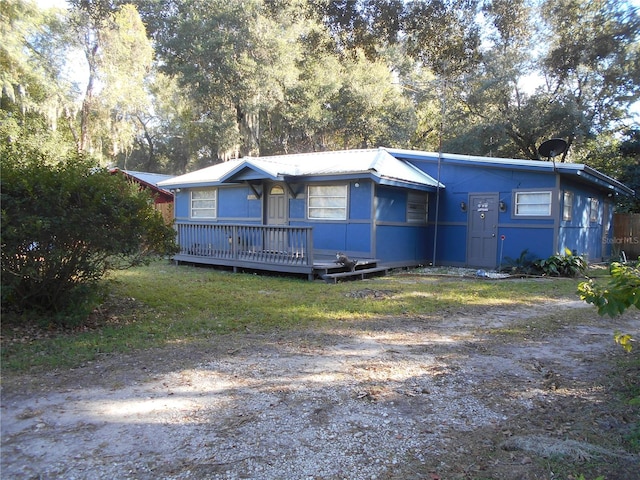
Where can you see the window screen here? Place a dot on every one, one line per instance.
(327, 202)
(533, 204)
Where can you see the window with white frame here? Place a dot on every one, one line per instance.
(417, 207)
(327, 202)
(533, 204)
(593, 210)
(203, 203)
(567, 206)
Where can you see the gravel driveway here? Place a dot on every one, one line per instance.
(452, 396)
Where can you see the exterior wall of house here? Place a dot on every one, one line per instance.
(542, 236)
(238, 203)
(397, 240)
(512, 233)
(377, 223)
(234, 204)
(181, 204)
(586, 222)
(390, 238)
(352, 236)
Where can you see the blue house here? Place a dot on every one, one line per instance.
(389, 208)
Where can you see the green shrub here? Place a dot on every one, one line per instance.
(524, 264)
(567, 265)
(619, 294)
(64, 226)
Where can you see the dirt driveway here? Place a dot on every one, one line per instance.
(474, 394)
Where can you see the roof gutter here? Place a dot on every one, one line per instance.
(593, 176)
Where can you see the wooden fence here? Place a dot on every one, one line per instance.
(626, 235)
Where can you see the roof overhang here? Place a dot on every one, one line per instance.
(594, 177)
(247, 171)
(359, 176)
(376, 165)
(141, 181)
(577, 171)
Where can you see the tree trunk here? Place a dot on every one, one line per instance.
(87, 104)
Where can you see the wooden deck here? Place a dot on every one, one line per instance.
(282, 249)
(334, 272)
(330, 272)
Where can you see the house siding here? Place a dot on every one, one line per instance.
(352, 236)
(535, 234)
(233, 204)
(580, 234)
(238, 203)
(397, 241)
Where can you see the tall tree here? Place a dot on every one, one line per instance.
(617, 155)
(32, 56)
(234, 59)
(586, 66)
(166, 135)
(36, 97)
(443, 34)
(592, 66)
(370, 109)
(360, 25)
(119, 57)
(304, 120)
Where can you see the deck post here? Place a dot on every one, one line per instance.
(309, 246)
(234, 242)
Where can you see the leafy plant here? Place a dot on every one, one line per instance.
(525, 263)
(64, 226)
(619, 294)
(623, 339)
(567, 265)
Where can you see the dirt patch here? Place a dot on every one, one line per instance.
(457, 396)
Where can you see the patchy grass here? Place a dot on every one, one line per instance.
(161, 303)
(628, 381)
(430, 348)
(541, 325)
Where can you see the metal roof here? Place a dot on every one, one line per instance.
(151, 178)
(387, 166)
(579, 170)
(146, 178)
(376, 164)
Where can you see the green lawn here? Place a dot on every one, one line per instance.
(161, 303)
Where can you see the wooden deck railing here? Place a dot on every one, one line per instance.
(246, 244)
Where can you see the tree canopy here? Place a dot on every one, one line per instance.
(171, 86)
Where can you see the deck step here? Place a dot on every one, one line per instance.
(332, 267)
(352, 275)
